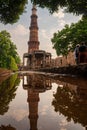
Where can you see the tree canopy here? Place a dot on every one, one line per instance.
(76, 7)
(9, 57)
(66, 40)
(10, 10)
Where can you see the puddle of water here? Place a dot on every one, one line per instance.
(43, 102)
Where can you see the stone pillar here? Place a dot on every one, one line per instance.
(44, 59)
(23, 60)
(28, 62)
(23, 81)
(50, 60)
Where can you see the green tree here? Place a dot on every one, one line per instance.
(76, 7)
(8, 92)
(10, 10)
(12, 64)
(8, 52)
(65, 40)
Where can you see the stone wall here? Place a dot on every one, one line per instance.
(78, 70)
(64, 61)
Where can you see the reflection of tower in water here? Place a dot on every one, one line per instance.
(33, 98)
(35, 84)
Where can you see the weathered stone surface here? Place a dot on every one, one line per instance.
(79, 70)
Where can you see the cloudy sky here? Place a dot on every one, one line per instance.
(48, 24)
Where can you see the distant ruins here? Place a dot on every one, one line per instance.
(64, 60)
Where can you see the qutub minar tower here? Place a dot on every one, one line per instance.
(35, 58)
(33, 43)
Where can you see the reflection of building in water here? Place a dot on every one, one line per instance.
(82, 92)
(35, 58)
(34, 85)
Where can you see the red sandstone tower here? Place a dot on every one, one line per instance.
(33, 43)
(35, 58)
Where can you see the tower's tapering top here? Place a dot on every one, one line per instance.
(34, 9)
(34, 6)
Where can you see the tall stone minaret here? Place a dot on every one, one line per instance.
(33, 43)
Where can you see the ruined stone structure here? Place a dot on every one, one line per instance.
(64, 60)
(35, 58)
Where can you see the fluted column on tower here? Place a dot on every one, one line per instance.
(33, 43)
